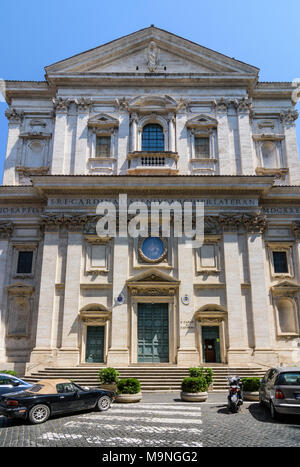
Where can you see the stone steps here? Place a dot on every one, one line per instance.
(152, 379)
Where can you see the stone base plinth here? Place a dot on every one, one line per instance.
(118, 357)
(239, 357)
(187, 357)
(267, 357)
(41, 358)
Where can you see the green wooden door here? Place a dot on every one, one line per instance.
(94, 344)
(153, 332)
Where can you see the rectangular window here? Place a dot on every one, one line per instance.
(25, 262)
(103, 146)
(280, 262)
(98, 259)
(201, 147)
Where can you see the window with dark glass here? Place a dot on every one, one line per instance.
(201, 147)
(280, 262)
(25, 262)
(103, 146)
(153, 138)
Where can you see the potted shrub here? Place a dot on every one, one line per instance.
(250, 388)
(207, 373)
(194, 389)
(108, 378)
(128, 390)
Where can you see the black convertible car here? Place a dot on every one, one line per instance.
(49, 397)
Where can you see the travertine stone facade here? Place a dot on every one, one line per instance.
(71, 297)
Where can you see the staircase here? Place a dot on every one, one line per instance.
(152, 379)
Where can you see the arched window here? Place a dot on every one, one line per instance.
(153, 138)
(286, 314)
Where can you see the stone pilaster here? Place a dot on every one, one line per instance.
(238, 350)
(11, 159)
(223, 137)
(80, 162)
(61, 107)
(69, 351)
(45, 337)
(181, 139)
(5, 232)
(171, 129)
(187, 354)
(291, 147)
(243, 107)
(118, 353)
(259, 294)
(123, 140)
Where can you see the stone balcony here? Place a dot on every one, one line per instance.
(152, 163)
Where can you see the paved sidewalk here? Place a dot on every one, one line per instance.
(159, 420)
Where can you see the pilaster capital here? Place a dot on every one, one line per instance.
(221, 105)
(61, 105)
(288, 117)
(14, 116)
(296, 229)
(134, 118)
(53, 222)
(252, 223)
(6, 229)
(243, 105)
(83, 104)
(122, 104)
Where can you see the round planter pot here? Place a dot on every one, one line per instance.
(194, 396)
(251, 396)
(127, 398)
(109, 387)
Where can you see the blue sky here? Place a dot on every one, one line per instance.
(33, 34)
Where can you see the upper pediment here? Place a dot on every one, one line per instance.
(150, 50)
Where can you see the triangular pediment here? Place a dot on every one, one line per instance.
(150, 50)
(152, 275)
(201, 121)
(103, 120)
(285, 286)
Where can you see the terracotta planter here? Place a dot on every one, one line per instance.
(251, 396)
(127, 398)
(109, 387)
(194, 396)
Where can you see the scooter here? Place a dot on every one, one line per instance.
(235, 396)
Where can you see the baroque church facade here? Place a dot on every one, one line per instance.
(157, 118)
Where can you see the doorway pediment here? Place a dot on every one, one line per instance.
(153, 282)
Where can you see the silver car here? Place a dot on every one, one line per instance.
(280, 390)
(9, 383)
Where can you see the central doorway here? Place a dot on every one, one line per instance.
(153, 333)
(211, 344)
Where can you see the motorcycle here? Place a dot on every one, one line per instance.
(235, 396)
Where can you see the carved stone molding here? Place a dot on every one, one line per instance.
(26, 171)
(122, 104)
(6, 229)
(153, 292)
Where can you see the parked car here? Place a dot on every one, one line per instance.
(9, 383)
(280, 390)
(49, 397)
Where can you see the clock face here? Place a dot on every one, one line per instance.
(153, 248)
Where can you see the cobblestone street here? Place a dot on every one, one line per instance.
(160, 420)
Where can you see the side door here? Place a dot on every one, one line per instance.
(68, 398)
